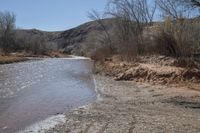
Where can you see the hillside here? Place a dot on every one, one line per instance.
(69, 41)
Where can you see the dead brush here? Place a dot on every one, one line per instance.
(188, 63)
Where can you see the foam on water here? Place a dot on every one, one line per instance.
(41, 127)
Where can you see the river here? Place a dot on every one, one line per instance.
(36, 90)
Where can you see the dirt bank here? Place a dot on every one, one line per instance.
(154, 70)
(126, 107)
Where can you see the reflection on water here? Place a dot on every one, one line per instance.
(33, 91)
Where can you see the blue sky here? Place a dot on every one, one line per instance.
(51, 15)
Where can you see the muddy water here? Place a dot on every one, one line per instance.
(33, 91)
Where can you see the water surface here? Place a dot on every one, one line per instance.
(35, 90)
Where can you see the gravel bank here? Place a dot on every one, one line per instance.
(126, 107)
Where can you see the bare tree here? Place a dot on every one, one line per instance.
(193, 3)
(180, 39)
(7, 26)
(179, 8)
(137, 11)
(172, 8)
(179, 33)
(37, 45)
(132, 16)
(94, 15)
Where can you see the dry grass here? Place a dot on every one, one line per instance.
(156, 70)
(57, 55)
(11, 59)
(45, 55)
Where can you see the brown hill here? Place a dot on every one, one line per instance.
(69, 41)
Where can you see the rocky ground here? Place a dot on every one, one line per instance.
(127, 107)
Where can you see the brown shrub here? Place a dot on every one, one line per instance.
(177, 38)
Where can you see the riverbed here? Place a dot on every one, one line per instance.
(130, 107)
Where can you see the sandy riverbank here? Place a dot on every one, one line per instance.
(126, 107)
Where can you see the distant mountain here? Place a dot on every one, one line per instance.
(69, 41)
(32, 32)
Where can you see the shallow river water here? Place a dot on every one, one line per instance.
(35, 90)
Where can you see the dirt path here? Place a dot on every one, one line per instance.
(124, 107)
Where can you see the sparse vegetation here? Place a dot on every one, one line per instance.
(11, 41)
(132, 34)
(7, 35)
(37, 45)
(179, 35)
(126, 44)
(178, 39)
(139, 42)
(136, 34)
(132, 16)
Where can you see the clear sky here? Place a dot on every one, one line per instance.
(51, 15)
